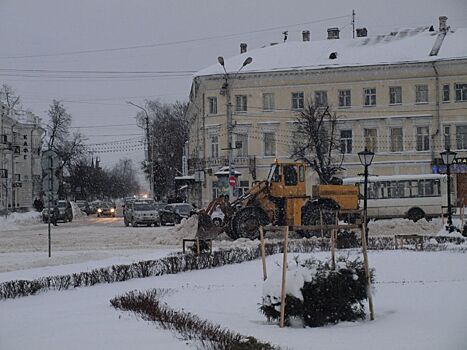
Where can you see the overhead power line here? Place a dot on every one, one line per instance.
(169, 43)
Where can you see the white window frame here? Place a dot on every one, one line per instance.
(446, 93)
(344, 98)
(426, 136)
(346, 142)
(243, 151)
(321, 98)
(241, 103)
(421, 93)
(268, 101)
(212, 105)
(394, 145)
(369, 97)
(274, 150)
(460, 92)
(214, 141)
(461, 145)
(395, 95)
(370, 142)
(447, 136)
(298, 100)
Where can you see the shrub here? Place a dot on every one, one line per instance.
(317, 294)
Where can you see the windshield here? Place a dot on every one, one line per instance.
(144, 207)
(183, 209)
(62, 204)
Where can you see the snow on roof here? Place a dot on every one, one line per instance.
(404, 46)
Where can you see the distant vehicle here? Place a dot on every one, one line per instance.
(141, 212)
(106, 209)
(84, 206)
(65, 212)
(404, 196)
(175, 212)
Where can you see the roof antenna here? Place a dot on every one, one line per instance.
(285, 33)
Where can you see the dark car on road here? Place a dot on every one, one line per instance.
(106, 209)
(175, 212)
(65, 213)
(84, 207)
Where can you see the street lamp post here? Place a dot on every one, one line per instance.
(150, 160)
(366, 157)
(228, 100)
(448, 158)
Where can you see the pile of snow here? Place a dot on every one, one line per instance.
(185, 230)
(77, 213)
(403, 226)
(16, 220)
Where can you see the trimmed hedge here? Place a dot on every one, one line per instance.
(210, 336)
(329, 296)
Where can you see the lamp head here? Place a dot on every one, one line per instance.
(247, 61)
(220, 59)
(366, 157)
(448, 156)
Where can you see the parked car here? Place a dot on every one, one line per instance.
(84, 206)
(175, 212)
(141, 212)
(65, 211)
(106, 209)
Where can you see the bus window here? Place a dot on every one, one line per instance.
(290, 175)
(414, 188)
(373, 190)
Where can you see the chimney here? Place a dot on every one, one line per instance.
(442, 24)
(306, 35)
(362, 32)
(242, 48)
(333, 33)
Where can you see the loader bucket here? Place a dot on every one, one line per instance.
(206, 228)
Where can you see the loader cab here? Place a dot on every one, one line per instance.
(287, 179)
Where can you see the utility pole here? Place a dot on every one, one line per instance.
(149, 154)
(228, 98)
(353, 24)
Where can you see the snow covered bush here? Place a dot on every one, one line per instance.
(317, 294)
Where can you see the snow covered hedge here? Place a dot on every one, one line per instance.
(317, 294)
(190, 327)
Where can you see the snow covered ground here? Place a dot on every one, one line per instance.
(420, 303)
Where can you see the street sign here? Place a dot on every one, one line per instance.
(50, 160)
(232, 181)
(50, 183)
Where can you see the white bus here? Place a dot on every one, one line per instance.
(404, 196)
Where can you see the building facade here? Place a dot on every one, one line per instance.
(20, 162)
(401, 95)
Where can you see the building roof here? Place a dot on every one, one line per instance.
(404, 46)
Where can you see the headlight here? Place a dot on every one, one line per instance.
(112, 210)
(99, 210)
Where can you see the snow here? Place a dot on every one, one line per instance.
(16, 221)
(420, 303)
(404, 46)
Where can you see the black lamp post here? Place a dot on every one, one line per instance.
(448, 158)
(366, 157)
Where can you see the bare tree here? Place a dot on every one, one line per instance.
(9, 99)
(316, 141)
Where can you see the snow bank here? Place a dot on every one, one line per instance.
(77, 213)
(15, 221)
(185, 230)
(403, 226)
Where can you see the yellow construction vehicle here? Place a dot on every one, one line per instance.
(280, 200)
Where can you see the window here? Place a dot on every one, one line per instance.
(321, 98)
(396, 140)
(369, 97)
(447, 137)
(461, 92)
(269, 144)
(215, 146)
(290, 175)
(429, 188)
(421, 93)
(395, 95)
(241, 103)
(461, 137)
(212, 103)
(242, 188)
(370, 136)
(346, 141)
(242, 145)
(423, 138)
(344, 98)
(446, 93)
(297, 100)
(17, 177)
(268, 101)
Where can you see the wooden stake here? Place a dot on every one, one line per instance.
(263, 254)
(442, 216)
(321, 223)
(333, 248)
(197, 246)
(284, 271)
(462, 213)
(367, 271)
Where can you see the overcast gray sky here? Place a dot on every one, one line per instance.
(121, 36)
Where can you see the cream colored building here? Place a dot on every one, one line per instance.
(20, 161)
(403, 95)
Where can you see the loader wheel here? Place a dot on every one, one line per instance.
(246, 223)
(311, 216)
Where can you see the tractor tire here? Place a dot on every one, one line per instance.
(415, 214)
(246, 223)
(311, 216)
